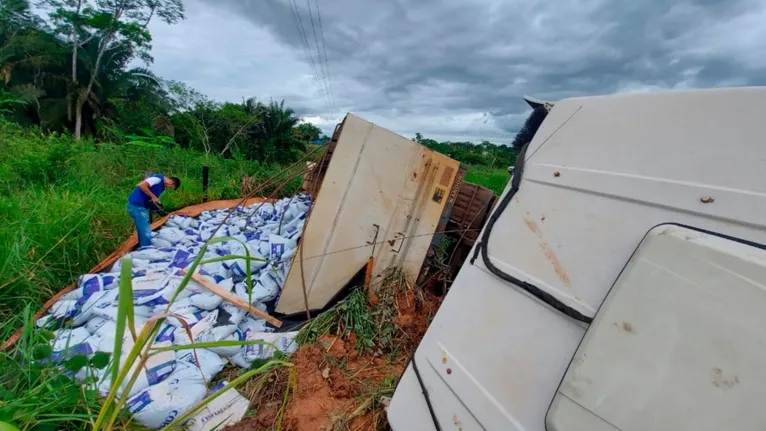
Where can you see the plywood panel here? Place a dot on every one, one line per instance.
(427, 218)
(319, 230)
(375, 177)
(417, 216)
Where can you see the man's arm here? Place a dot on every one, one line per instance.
(144, 186)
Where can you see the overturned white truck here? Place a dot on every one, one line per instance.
(620, 283)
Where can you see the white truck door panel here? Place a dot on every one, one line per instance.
(678, 344)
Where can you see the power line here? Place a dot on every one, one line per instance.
(299, 23)
(327, 64)
(319, 56)
(389, 241)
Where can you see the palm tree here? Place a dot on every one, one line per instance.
(277, 121)
(275, 132)
(26, 52)
(252, 106)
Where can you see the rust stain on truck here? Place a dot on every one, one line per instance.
(549, 254)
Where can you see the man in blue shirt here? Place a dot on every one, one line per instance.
(147, 194)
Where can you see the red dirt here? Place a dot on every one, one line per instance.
(327, 395)
(313, 402)
(364, 422)
(333, 346)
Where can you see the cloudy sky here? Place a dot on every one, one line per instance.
(456, 69)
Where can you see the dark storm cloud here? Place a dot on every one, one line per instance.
(467, 63)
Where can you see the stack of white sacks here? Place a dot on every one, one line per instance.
(172, 382)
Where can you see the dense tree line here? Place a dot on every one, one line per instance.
(68, 71)
(485, 153)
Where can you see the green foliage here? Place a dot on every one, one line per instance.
(494, 179)
(255, 130)
(119, 27)
(57, 224)
(487, 163)
(100, 360)
(34, 393)
(373, 325)
(307, 132)
(8, 101)
(485, 153)
(62, 204)
(70, 73)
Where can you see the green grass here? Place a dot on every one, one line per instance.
(62, 209)
(62, 206)
(494, 179)
(36, 396)
(372, 325)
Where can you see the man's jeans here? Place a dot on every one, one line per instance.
(140, 216)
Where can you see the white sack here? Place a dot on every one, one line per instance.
(228, 409)
(209, 362)
(158, 405)
(284, 341)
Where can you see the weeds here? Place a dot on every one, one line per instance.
(494, 179)
(373, 325)
(62, 210)
(62, 206)
(371, 397)
(35, 395)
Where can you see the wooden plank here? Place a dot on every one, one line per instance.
(234, 300)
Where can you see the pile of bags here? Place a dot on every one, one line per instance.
(172, 382)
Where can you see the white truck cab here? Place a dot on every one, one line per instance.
(620, 283)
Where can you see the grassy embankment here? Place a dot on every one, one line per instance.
(62, 206)
(494, 179)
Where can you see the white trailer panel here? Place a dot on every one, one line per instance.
(377, 185)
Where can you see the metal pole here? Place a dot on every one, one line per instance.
(205, 171)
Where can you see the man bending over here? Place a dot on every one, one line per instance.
(145, 196)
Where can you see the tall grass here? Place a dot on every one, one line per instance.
(62, 209)
(62, 206)
(494, 179)
(37, 396)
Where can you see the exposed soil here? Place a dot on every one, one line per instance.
(337, 388)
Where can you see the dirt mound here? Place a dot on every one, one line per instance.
(339, 388)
